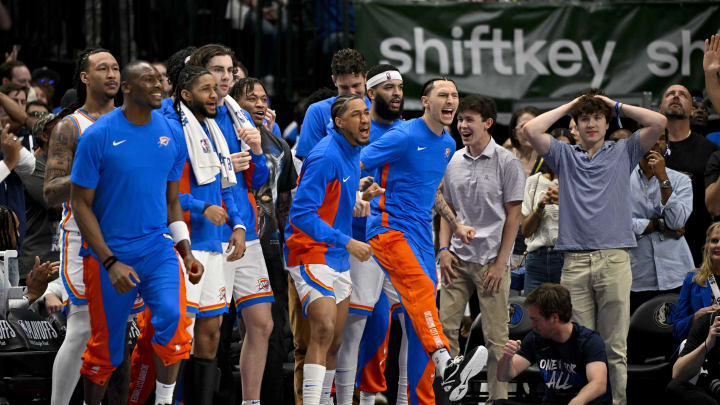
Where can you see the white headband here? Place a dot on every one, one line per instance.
(383, 77)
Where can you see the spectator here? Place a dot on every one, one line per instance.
(543, 263)
(696, 295)
(484, 184)
(690, 152)
(661, 204)
(11, 111)
(15, 92)
(699, 117)
(15, 72)
(42, 220)
(530, 162)
(711, 65)
(45, 81)
(620, 133)
(571, 357)
(700, 351)
(572, 126)
(595, 190)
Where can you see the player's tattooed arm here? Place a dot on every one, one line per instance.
(283, 208)
(464, 232)
(61, 151)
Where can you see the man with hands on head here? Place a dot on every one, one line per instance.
(571, 357)
(595, 188)
(132, 155)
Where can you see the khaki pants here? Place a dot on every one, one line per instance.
(494, 309)
(599, 284)
(300, 329)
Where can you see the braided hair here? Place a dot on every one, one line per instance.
(82, 65)
(8, 229)
(176, 63)
(245, 86)
(341, 105)
(186, 79)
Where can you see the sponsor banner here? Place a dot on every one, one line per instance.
(515, 51)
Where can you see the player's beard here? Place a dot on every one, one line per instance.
(382, 109)
(198, 106)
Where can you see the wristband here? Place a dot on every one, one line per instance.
(207, 205)
(618, 108)
(179, 232)
(109, 262)
(443, 248)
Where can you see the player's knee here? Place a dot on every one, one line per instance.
(323, 331)
(265, 327)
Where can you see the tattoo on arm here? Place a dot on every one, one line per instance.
(61, 152)
(442, 208)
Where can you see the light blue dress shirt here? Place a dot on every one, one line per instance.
(659, 264)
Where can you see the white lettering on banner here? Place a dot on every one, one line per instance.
(6, 331)
(560, 57)
(37, 330)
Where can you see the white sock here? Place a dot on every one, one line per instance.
(327, 387)
(344, 385)
(347, 358)
(440, 357)
(66, 368)
(367, 398)
(251, 402)
(313, 375)
(163, 393)
(402, 395)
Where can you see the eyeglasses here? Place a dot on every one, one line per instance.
(46, 80)
(36, 114)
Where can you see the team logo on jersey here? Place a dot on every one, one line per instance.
(221, 295)
(163, 141)
(263, 284)
(205, 146)
(447, 152)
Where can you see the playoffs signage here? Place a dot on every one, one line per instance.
(508, 51)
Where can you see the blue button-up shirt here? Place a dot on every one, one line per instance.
(659, 264)
(594, 196)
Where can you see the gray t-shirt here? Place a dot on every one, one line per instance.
(594, 202)
(478, 189)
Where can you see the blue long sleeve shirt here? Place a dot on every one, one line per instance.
(320, 222)
(252, 178)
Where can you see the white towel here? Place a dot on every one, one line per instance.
(205, 160)
(239, 119)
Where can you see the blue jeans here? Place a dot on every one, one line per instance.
(543, 265)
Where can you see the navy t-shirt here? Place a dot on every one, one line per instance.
(563, 364)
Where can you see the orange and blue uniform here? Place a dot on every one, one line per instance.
(320, 222)
(410, 161)
(126, 164)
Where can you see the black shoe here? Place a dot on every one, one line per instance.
(462, 368)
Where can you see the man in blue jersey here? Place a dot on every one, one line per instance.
(410, 161)
(131, 155)
(348, 75)
(202, 197)
(246, 280)
(318, 240)
(385, 89)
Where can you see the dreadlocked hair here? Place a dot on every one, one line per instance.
(244, 87)
(80, 87)
(8, 228)
(186, 79)
(176, 63)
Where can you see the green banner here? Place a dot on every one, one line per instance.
(515, 51)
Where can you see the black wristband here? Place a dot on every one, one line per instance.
(109, 262)
(207, 205)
